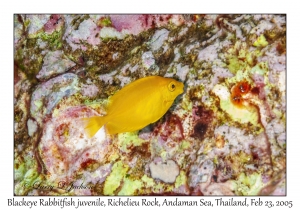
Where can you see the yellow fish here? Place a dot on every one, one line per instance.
(135, 106)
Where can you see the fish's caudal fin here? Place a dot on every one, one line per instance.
(92, 125)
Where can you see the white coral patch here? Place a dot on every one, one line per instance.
(115, 56)
(83, 31)
(182, 71)
(281, 82)
(201, 172)
(167, 172)
(89, 90)
(221, 92)
(158, 39)
(32, 127)
(263, 26)
(124, 80)
(190, 47)
(108, 78)
(148, 59)
(237, 140)
(177, 54)
(208, 54)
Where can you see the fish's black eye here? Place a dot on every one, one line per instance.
(171, 87)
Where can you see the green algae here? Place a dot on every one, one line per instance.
(126, 140)
(234, 65)
(148, 182)
(261, 41)
(239, 57)
(97, 104)
(38, 104)
(29, 60)
(249, 184)
(104, 22)
(26, 174)
(113, 181)
(261, 68)
(130, 186)
(184, 145)
(181, 179)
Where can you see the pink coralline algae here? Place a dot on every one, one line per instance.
(225, 135)
(64, 148)
(138, 23)
(54, 23)
(171, 128)
(134, 23)
(89, 90)
(87, 30)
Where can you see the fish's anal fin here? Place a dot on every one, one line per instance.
(168, 103)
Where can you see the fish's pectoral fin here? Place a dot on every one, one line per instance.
(168, 103)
